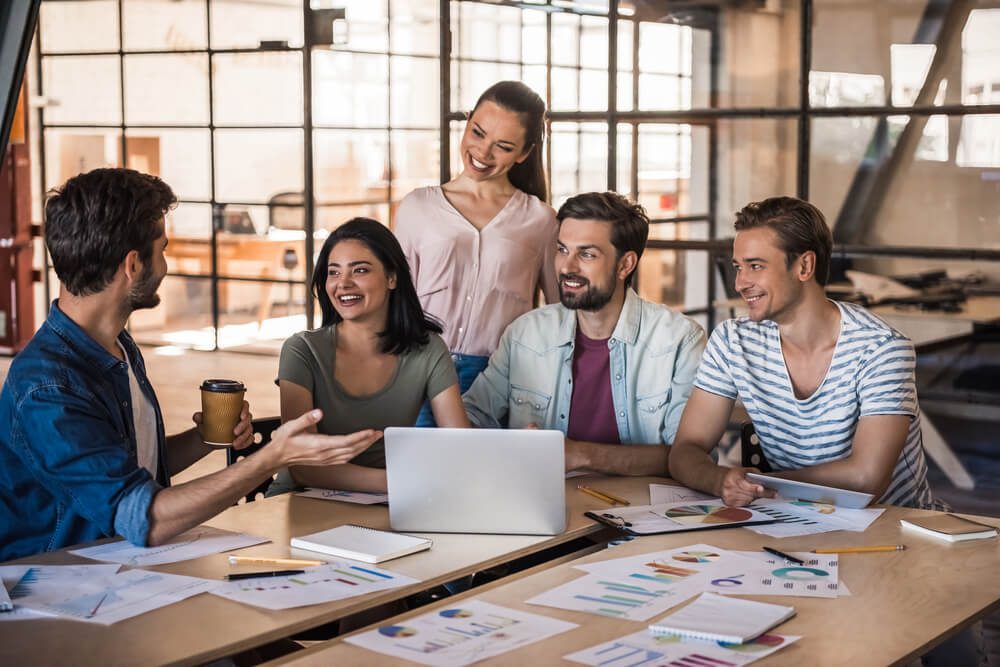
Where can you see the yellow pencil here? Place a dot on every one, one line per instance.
(861, 550)
(260, 560)
(604, 495)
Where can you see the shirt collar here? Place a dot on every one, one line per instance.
(626, 331)
(74, 336)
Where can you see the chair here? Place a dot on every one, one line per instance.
(263, 428)
(751, 453)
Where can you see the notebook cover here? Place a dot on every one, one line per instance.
(360, 543)
(949, 524)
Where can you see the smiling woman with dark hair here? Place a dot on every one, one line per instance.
(373, 362)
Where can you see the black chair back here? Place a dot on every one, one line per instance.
(751, 453)
(263, 428)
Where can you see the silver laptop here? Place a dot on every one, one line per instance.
(457, 480)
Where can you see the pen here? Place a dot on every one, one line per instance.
(782, 554)
(258, 560)
(860, 550)
(97, 606)
(254, 575)
(603, 495)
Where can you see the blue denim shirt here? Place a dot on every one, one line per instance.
(68, 467)
(654, 357)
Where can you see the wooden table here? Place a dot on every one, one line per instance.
(901, 605)
(207, 627)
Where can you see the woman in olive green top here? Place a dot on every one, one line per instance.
(374, 361)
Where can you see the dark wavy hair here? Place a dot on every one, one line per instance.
(527, 176)
(800, 227)
(407, 325)
(97, 218)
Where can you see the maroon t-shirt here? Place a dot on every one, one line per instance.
(591, 410)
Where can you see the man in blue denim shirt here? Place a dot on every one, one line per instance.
(83, 453)
(607, 368)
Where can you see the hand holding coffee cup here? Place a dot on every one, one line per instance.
(221, 405)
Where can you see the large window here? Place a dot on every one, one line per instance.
(272, 136)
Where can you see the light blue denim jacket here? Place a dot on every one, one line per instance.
(655, 354)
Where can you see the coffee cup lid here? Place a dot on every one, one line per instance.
(226, 386)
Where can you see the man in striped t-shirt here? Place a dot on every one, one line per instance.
(829, 387)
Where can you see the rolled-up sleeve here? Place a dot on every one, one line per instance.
(79, 457)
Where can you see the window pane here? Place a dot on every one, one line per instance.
(665, 167)
(661, 91)
(257, 88)
(624, 171)
(565, 89)
(72, 152)
(487, 32)
(533, 38)
(660, 47)
(246, 25)
(474, 78)
(60, 22)
(330, 217)
(980, 58)
(594, 42)
(366, 25)
(351, 165)
(164, 24)
(415, 27)
(414, 161)
(254, 165)
(349, 89)
(84, 89)
(180, 157)
(414, 85)
(579, 159)
(259, 316)
(188, 221)
(565, 39)
(168, 90)
(183, 317)
(593, 90)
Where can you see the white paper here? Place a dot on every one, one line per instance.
(461, 635)
(336, 580)
(804, 517)
(195, 543)
(358, 497)
(105, 599)
(668, 493)
(818, 576)
(679, 516)
(641, 649)
(56, 575)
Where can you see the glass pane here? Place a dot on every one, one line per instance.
(165, 25)
(254, 165)
(257, 88)
(457, 128)
(665, 167)
(626, 30)
(415, 82)
(660, 47)
(72, 152)
(488, 32)
(258, 317)
(351, 165)
(565, 89)
(82, 89)
(180, 98)
(979, 142)
(534, 76)
(60, 22)
(474, 78)
(246, 25)
(533, 39)
(624, 170)
(274, 256)
(594, 43)
(662, 91)
(676, 278)
(414, 161)
(188, 221)
(593, 90)
(182, 158)
(415, 26)
(756, 160)
(366, 24)
(350, 89)
(579, 159)
(625, 92)
(566, 40)
(980, 65)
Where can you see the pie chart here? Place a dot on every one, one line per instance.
(800, 573)
(456, 613)
(762, 643)
(396, 631)
(697, 557)
(714, 514)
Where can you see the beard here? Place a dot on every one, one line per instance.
(590, 299)
(143, 293)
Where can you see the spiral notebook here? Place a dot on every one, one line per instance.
(359, 543)
(722, 618)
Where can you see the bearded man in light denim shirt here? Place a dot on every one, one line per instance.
(607, 368)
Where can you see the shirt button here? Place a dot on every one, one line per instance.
(621, 414)
(562, 416)
(518, 401)
(460, 330)
(468, 298)
(612, 343)
(617, 377)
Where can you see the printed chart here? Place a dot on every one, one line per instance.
(643, 650)
(460, 636)
(334, 581)
(818, 576)
(803, 517)
(707, 514)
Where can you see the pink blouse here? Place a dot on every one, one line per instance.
(477, 282)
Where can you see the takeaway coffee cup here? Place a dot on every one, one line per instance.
(221, 404)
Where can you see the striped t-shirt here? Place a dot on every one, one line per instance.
(871, 373)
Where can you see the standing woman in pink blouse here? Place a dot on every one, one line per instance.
(482, 245)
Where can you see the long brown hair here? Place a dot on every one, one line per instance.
(529, 175)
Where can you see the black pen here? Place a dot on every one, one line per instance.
(782, 554)
(254, 575)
